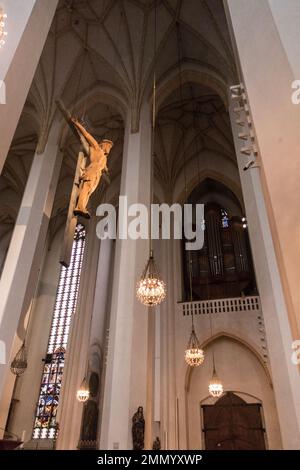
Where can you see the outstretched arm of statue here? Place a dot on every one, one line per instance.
(90, 139)
(84, 143)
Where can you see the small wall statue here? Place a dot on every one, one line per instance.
(138, 429)
(156, 444)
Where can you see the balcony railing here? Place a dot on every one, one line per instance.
(236, 304)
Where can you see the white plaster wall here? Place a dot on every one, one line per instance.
(28, 24)
(286, 15)
(18, 13)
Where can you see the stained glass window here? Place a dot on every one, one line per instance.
(225, 219)
(45, 425)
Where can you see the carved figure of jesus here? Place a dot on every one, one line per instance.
(91, 175)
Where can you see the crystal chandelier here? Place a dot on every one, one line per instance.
(19, 363)
(215, 386)
(3, 33)
(83, 393)
(151, 290)
(194, 355)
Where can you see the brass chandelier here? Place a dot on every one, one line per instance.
(193, 355)
(215, 386)
(83, 393)
(19, 363)
(151, 289)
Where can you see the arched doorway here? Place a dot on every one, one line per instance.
(233, 424)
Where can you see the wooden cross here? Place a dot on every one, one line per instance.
(65, 255)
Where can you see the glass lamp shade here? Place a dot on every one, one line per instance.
(151, 289)
(83, 393)
(215, 386)
(194, 355)
(19, 363)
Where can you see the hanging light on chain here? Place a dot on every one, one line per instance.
(19, 363)
(215, 386)
(83, 393)
(194, 355)
(151, 289)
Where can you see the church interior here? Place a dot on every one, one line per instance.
(170, 102)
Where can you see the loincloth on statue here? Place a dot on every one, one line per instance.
(91, 177)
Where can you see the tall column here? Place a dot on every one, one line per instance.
(100, 320)
(102, 293)
(127, 374)
(279, 338)
(171, 272)
(70, 410)
(26, 247)
(266, 35)
(27, 24)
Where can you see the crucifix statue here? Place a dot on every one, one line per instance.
(91, 174)
(87, 177)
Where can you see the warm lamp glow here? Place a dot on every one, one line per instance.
(215, 387)
(194, 355)
(83, 393)
(151, 290)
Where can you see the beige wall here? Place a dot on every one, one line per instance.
(240, 371)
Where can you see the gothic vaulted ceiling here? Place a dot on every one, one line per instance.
(99, 59)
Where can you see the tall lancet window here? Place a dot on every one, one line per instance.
(45, 425)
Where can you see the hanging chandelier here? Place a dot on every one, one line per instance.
(83, 393)
(151, 289)
(3, 33)
(215, 386)
(194, 355)
(19, 363)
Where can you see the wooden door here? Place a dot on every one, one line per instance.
(233, 424)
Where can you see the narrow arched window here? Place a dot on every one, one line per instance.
(45, 425)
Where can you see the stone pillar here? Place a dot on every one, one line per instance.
(171, 271)
(127, 375)
(88, 336)
(102, 294)
(24, 256)
(279, 338)
(28, 24)
(70, 410)
(266, 36)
